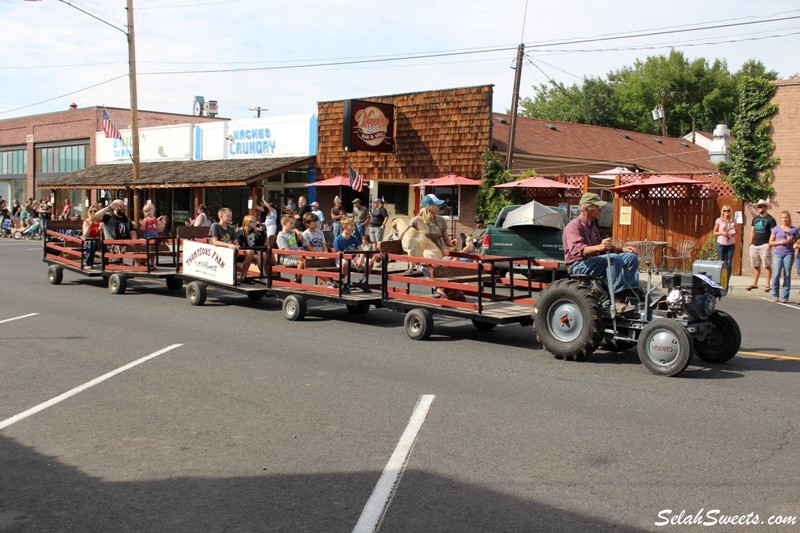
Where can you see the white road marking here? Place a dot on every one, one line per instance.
(790, 306)
(60, 398)
(17, 318)
(384, 491)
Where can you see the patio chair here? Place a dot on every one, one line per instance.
(680, 251)
(646, 252)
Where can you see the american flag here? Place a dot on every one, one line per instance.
(356, 181)
(109, 128)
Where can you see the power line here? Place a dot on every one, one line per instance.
(65, 94)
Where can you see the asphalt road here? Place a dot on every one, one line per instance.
(255, 423)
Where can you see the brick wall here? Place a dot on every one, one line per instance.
(786, 136)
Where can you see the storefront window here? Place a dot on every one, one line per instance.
(60, 159)
(450, 197)
(395, 195)
(14, 162)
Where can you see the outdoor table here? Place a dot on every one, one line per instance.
(646, 249)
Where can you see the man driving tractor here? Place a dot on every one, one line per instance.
(587, 254)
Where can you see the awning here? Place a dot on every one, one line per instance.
(177, 174)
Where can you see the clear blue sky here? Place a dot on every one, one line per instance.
(49, 49)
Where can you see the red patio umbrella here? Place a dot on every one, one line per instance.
(664, 180)
(451, 180)
(536, 182)
(336, 181)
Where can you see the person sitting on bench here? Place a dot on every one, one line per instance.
(251, 237)
(587, 254)
(290, 239)
(348, 242)
(223, 234)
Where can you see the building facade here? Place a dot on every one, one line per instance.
(38, 147)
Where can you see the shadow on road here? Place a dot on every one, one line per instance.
(39, 493)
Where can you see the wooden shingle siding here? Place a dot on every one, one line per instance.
(436, 133)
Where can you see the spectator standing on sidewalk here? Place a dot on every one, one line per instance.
(760, 250)
(361, 218)
(336, 217)
(782, 239)
(724, 231)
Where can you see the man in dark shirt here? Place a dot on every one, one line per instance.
(760, 251)
(587, 254)
(302, 209)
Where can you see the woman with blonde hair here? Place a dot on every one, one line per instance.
(782, 241)
(92, 233)
(430, 224)
(250, 237)
(724, 231)
(434, 227)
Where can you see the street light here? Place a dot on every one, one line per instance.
(130, 35)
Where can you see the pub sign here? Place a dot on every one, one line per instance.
(368, 126)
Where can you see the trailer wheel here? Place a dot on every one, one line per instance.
(117, 284)
(665, 347)
(294, 307)
(358, 308)
(722, 342)
(174, 283)
(196, 293)
(255, 295)
(482, 325)
(568, 320)
(55, 274)
(419, 324)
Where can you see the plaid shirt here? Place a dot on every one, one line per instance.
(579, 233)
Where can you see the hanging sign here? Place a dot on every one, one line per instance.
(368, 126)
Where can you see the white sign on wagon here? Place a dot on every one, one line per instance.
(209, 262)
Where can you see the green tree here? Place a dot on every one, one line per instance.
(750, 169)
(593, 102)
(699, 89)
(489, 201)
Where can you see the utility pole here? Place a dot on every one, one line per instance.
(664, 112)
(514, 103)
(134, 110)
(258, 110)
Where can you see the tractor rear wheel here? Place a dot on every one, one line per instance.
(568, 320)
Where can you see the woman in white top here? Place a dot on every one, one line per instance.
(724, 230)
(202, 217)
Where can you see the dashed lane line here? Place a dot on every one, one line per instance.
(18, 318)
(96, 381)
(384, 491)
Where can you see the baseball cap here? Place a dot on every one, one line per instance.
(315, 203)
(591, 198)
(357, 201)
(430, 199)
(377, 200)
(337, 200)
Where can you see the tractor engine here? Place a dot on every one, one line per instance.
(689, 296)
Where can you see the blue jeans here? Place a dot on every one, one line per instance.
(91, 249)
(624, 269)
(782, 263)
(337, 229)
(725, 253)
